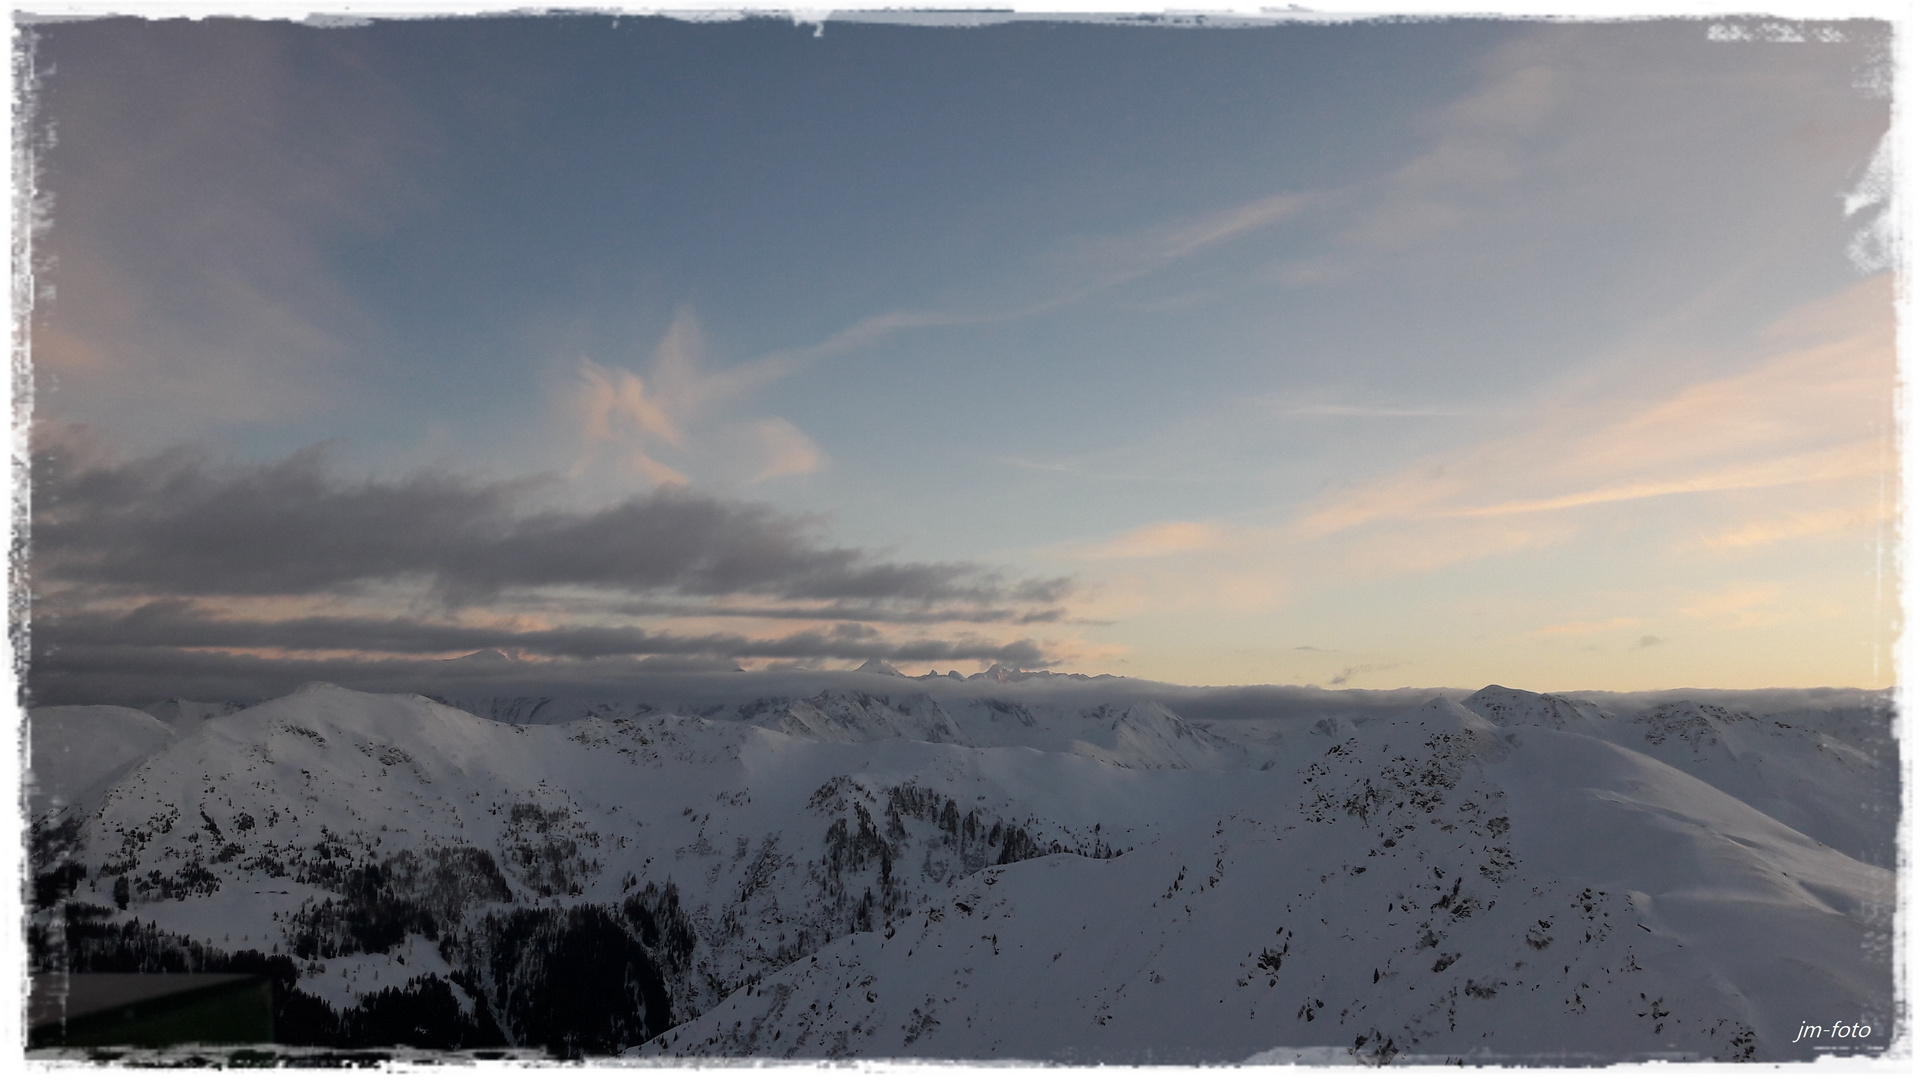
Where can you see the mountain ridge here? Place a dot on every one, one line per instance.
(384, 852)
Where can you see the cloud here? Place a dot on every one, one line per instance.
(633, 421)
(613, 398)
(1345, 675)
(179, 624)
(1531, 159)
(787, 450)
(178, 522)
(1165, 538)
(1181, 566)
(1780, 528)
(1813, 406)
(1413, 547)
(863, 612)
(1175, 566)
(615, 406)
(105, 662)
(1741, 604)
(1189, 237)
(1367, 411)
(1096, 264)
(1587, 627)
(1478, 147)
(223, 574)
(138, 676)
(689, 381)
(1077, 271)
(1795, 421)
(872, 329)
(195, 192)
(1855, 459)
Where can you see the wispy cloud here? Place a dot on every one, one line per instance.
(1478, 146)
(1165, 538)
(1780, 528)
(1535, 151)
(1096, 264)
(613, 398)
(787, 450)
(1194, 235)
(1814, 414)
(1346, 674)
(675, 410)
(1586, 627)
(615, 407)
(191, 218)
(1742, 604)
(1368, 411)
(872, 329)
(1077, 469)
(1080, 269)
(1831, 464)
(1401, 547)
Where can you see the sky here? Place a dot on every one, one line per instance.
(1442, 353)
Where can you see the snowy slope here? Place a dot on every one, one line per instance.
(263, 828)
(857, 718)
(184, 716)
(1817, 770)
(1149, 736)
(77, 751)
(1128, 733)
(891, 868)
(1451, 894)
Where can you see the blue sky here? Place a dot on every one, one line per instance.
(1435, 353)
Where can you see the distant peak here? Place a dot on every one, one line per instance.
(316, 687)
(878, 666)
(1001, 674)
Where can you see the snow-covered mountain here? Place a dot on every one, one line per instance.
(1819, 771)
(1038, 867)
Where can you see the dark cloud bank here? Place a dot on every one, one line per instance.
(126, 552)
(180, 624)
(178, 522)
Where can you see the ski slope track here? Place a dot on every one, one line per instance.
(1004, 868)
